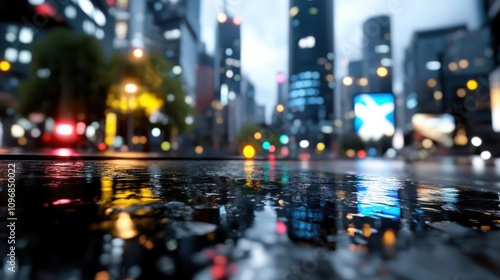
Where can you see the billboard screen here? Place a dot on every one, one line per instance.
(374, 115)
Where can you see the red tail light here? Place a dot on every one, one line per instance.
(64, 129)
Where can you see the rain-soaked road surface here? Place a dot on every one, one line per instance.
(126, 219)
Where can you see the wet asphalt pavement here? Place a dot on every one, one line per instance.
(160, 219)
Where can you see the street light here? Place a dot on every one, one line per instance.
(138, 53)
(130, 89)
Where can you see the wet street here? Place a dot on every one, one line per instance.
(165, 219)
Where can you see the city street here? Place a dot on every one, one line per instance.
(147, 218)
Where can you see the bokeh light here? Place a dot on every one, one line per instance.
(249, 151)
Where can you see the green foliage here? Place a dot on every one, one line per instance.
(153, 76)
(77, 84)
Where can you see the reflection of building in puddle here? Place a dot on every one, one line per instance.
(309, 216)
(470, 208)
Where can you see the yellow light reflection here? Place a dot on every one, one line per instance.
(110, 128)
(367, 230)
(102, 275)
(389, 238)
(124, 226)
(257, 135)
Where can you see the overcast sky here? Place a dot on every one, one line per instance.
(264, 32)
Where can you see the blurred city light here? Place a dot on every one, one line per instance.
(280, 108)
(272, 149)
(130, 88)
(485, 155)
(222, 17)
(350, 153)
(237, 20)
(284, 139)
(198, 150)
(257, 135)
(427, 143)
(138, 53)
(280, 78)
(17, 131)
(249, 151)
(285, 151)
(266, 145)
(382, 72)
(320, 146)
(64, 129)
(165, 146)
(304, 144)
(4, 65)
(155, 132)
(472, 84)
(347, 81)
(476, 141)
(361, 154)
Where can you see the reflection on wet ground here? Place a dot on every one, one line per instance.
(244, 220)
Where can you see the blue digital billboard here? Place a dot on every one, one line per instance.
(374, 115)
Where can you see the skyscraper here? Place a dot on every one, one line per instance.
(377, 54)
(169, 27)
(311, 63)
(227, 72)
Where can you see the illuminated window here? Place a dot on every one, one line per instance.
(99, 17)
(99, 34)
(70, 12)
(11, 54)
(86, 6)
(307, 42)
(122, 4)
(26, 35)
(313, 10)
(387, 62)
(172, 34)
(25, 57)
(382, 49)
(10, 37)
(121, 30)
(88, 27)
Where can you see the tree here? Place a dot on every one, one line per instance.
(159, 92)
(67, 78)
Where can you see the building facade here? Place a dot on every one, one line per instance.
(311, 81)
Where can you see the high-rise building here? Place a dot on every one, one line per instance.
(423, 68)
(227, 72)
(169, 27)
(377, 53)
(311, 62)
(279, 121)
(24, 22)
(248, 95)
(468, 62)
